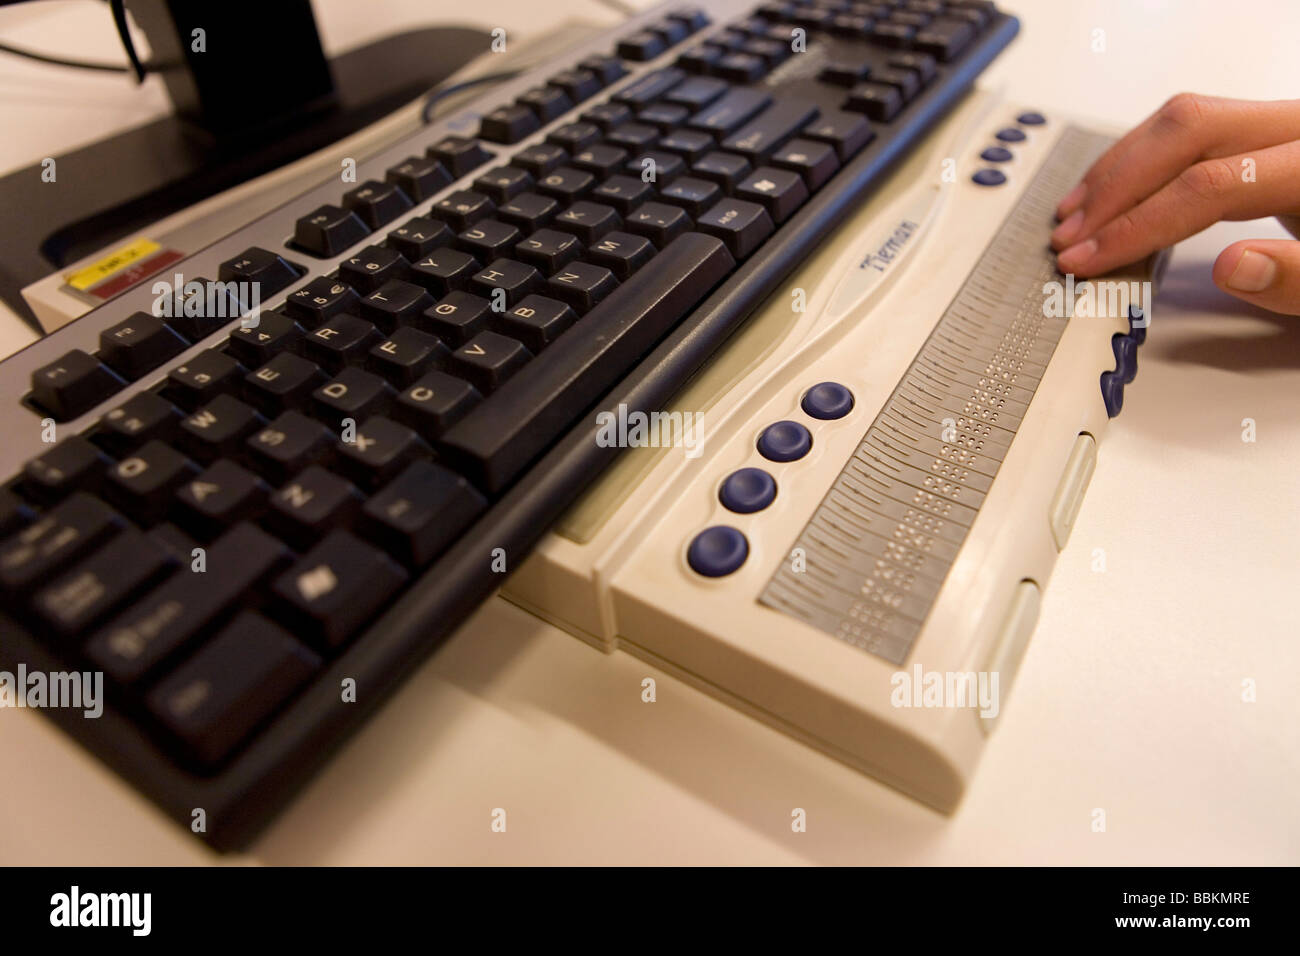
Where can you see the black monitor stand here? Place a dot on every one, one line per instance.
(253, 90)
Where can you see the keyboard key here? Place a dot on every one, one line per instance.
(320, 299)
(659, 166)
(328, 230)
(693, 195)
(462, 209)
(600, 159)
(588, 221)
(337, 586)
(846, 72)
(377, 203)
(444, 270)
(143, 417)
(697, 92)
(700, 59)
(725, 169)
(574, 136)
(540, 158)
(488, 359)
(665, 116)
(578, 84)
(313, 504)
(406, 355)
(503, 434)
(352, 394)
(728, 113)
(457, 317)
(642, 46)
(758, 138)
(878, 101)
(255, 345)
(286, 381)
(607, 69)
(459, 155)
(503, 183)
(435, 403)
(537, 321)
(202, 307)
(378, 450)
(529, 211)
(779, 191)
(139, 345)
(649, 87)
(623, 193)
(566, 183)
(905, 81)
(944, 39)
(740, 67)
(509, 124)
(395, 303)
(215, 700)
(741, 225)
(55, 540)
(893, 35)
(102, 582)
(621, 253)
(671, 31)
(847, 132)
(219, 498)
(72, 464)
(658, 222)
(218, 428)
(505, 281)
(420, 512)
(342, 340)
(607, 116)
(921, 64)
(168, 618)
(581, 284)
(142, 485)
(417, 237)
(268, 271)
(693, 18)
(73, 385)
(488, 239)
(549, 249)
(202, 378)
(372, 267)
(418, 177)
(688, 143)
(815, 162)
(547, 102)
(287, 445)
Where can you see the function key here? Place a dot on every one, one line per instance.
(578, 84)
(73, 384)
(547, 102)
(268, 270)
(376, 203)
(139, 345)
(328, 231)
(459, 154)
(417, 237)
(539, 159)
(642, 46)
(509, 124)
(418, 177)
(606, 68)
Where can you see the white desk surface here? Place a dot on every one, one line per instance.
(1129, 698)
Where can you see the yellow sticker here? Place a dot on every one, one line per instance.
(92, 274)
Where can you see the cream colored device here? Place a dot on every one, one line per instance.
(879, 605)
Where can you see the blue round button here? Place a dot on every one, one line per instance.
(1031, 119)
(747, 490)
(996, 154)
(1012, 135)
(784, 441)
(716, 552)
(989, 177)
(827, 401)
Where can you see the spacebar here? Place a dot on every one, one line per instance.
(494, 442)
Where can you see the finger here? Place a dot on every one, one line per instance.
(1198, 197)
(1187, 129)
(1264, 272)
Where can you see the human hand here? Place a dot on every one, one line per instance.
(1195, 161)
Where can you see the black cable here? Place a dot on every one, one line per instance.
(432, 99)
(60, 61)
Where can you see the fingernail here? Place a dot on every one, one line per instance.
(1072, 200)
(1254, 273)
(1076, 256)
(1067, 230)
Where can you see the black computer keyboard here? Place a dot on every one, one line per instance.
(255, 531)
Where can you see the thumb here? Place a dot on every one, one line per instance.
(1264, 272)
